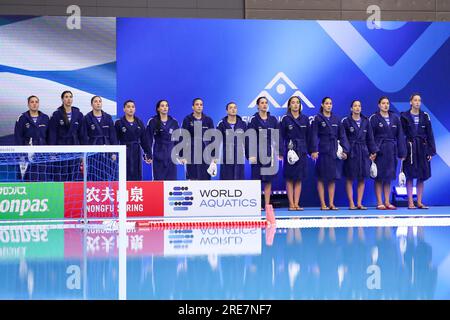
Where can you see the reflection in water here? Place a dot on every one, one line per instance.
(309, 263)
(421, 274)
(356, 259)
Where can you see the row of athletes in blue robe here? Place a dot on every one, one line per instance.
(60, 130)
(400, 138)
(373, 135)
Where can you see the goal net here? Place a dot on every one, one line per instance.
(58, 182)
(54, 183)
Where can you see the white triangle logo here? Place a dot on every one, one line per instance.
(281, 88)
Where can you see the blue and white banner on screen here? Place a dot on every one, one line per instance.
(226, 198)
(41, 56)
(235, 241)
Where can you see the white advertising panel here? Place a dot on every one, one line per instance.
(226, 198)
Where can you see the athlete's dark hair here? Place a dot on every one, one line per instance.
(228, 104)
(92, 99)
(158, 115)
(413, 95)
(323, 101)
(31, 97)
(128, 101)
(382, 98)
(66, 119)
(289, 104)
(353, 102)
(193, 101)
(260, 98)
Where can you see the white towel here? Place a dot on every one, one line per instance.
(212, 170)
(292, 157)
(340, 152)
(401, 177)
(373, 170)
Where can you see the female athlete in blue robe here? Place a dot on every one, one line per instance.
(420, 148)
(197, 171)
(98, 126)
(295, 130)
(65, 123)
(233, 129)
(159, 133)
(362, 151)
(326, 131)
(30, 130)
(65, 129)
(263, 123)
(131, 132)
(98, 129)
(390, 141)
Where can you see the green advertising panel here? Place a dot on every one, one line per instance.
(31, 243)
(35, 200)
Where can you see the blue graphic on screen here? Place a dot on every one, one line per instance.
(239, 60)
(41, 56)
(180, 198)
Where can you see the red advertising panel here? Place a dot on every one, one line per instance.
(104, 243)
(144, 199)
